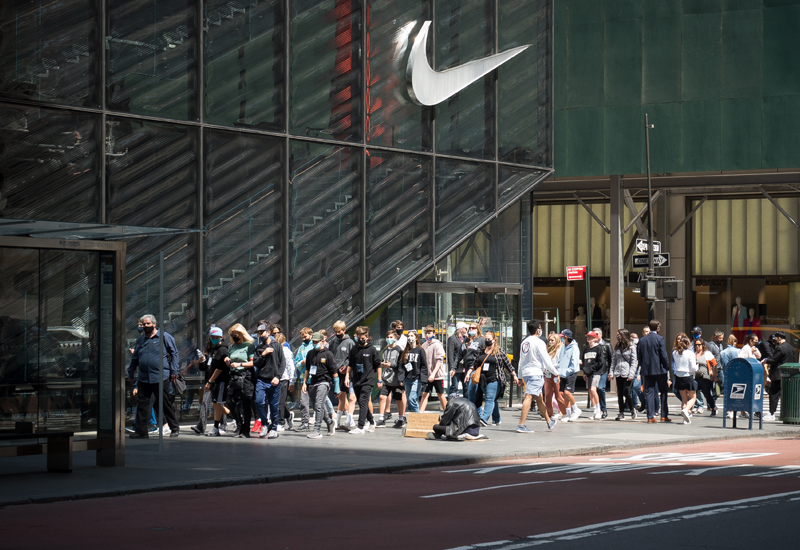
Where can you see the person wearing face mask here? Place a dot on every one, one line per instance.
(474, 348)
(434, 354)
(533, 362)
(364, 368)
(455, 363)
(340, 345)
(492, 363)
(624, 364)
(392, 382)
(300, 364)
(147, 359)
(153, 421)
(288, 376)
(414, 363)
(401, 339)
(637, 396)
(241, 379)
(317, 381)
(214, 358)
(269, 359)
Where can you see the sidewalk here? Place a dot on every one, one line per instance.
(197, 462)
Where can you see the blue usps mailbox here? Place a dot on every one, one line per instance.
(744, 388)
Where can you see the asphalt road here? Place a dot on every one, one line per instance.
(701, 495)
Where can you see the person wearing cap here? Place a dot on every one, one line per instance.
(594, 363)
(214, 358)
(568, 367)
(317, 380)
(269, 361)
(455, 355)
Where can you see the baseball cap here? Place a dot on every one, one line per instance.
(593, 334)
(215, 331)
(262, 328)
(461, 325)
(697, 330)
(566, 333)
(316, 337)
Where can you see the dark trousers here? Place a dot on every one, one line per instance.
(457, 378)
(774, 395)
(707, 388)
(363, 395)
(283, 410)
(624, 387)
(656, 388)
(144, 407)
(243, 398)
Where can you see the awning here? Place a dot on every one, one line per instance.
(92, 231)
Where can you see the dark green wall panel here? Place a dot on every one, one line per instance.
(781, 50)
(661, 60)
(741, 53)
(740, 131)
(560, 140)
(781, 136)
(623, 10)
(583, 11)
(623, 62)
(623, 134)
(560, 57)
(730, 5)
(773, 3)
(702, 67)
(700, 143)
(585, 65)
(665, 138)
(702, 6)
(662, 8)
(585, 150)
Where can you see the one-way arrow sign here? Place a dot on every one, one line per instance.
(641, 246)
(659, 260)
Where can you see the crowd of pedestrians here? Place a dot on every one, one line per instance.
(248, 378)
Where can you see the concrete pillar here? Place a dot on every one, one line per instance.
(675, 316)
(617, 301)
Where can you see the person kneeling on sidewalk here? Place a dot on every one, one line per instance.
(460, 421)
(320, 372)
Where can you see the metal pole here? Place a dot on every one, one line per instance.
(161, 351)
(650, 268)
(588, 301)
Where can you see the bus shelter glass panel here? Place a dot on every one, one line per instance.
(49, 340)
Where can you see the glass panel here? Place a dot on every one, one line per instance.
(244, 63)
(19, 345)
(325, 235)
(392, 119)
(152, 173)
(325, 71)
(398, 221)
(464, 200)
(515, 182)
(465, 122)
(243, 252)
(55, 153)
(524, 83)
(152, 57)
(68, 360)
(48, 51)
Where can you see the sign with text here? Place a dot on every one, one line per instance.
(641, 246)
(659, 260)
(576, 272)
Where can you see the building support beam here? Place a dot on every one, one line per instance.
(638, 215)
(617, 264)
(692, 213)
(592, 214)
(778, 206)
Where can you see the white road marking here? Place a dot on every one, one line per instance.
(501, 487)
(685, 457)
(493, 468)
(701, 471)
(646, 520)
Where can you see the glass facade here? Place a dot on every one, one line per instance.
(281, 128)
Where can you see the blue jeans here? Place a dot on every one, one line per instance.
(266, 393)
(489, 401)
(601, 391)
(472, 391)
(412, 394)
(721, 380)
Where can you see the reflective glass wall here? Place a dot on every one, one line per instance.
(284, 131)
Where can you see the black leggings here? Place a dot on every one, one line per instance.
(774, 395)
(706, 386)
(245, 398)
(624, 387)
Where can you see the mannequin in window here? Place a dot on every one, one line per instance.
(752, 324)
(738, 315)
(580, 322)
(597, 314)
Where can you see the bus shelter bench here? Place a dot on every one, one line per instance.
(58, 447)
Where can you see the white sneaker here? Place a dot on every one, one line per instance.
(272, 434)
(337, 418)
(357, 431)
(566, 418)
(167, 431)
(686, 416)
(556, 416)
(576, 413)
(729, 414)
(768, 416)
(314, 435)
(280, 427)
(214, 432)
(331, 428)
(264, 431)
(290, 420)
(223, 429)
(370, 427)
(687, 421)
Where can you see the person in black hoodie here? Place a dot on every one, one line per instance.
(782, 353)
(269, 361)
(364, 368)
(318, 378)
(214, 391)
(595, 364)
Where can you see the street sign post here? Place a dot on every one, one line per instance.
(659, 260)
(641, 246)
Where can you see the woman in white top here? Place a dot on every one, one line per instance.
(684, 365)
(551, 381)
(706, 373)
(749, 349)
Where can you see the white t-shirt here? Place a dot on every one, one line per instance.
(534, 359)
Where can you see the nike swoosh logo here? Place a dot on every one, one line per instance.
(429, 87)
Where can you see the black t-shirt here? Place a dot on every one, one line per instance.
(415, 365)
(489, 368)
(215, 360)
(321, 366)
(365, 362)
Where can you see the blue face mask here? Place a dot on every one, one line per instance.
(317, 346)
(472, 332)
(390, 341)
(140, 328)
(214, 341)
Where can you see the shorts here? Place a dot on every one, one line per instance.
(394, 391)
(685, 383)
(596, 380)
(438, 385)
(568, 383)
(219, 392)
(533, 384)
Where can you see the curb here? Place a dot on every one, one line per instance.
(309, 476)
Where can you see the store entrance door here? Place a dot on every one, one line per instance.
(495, 306)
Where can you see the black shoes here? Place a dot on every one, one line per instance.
(175, 433)
(139, 436)
(605, 414)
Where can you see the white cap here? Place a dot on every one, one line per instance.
(461, 325)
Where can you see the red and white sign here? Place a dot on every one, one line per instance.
(576, 272)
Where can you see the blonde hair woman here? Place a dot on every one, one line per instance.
(551, 382)
(242, 378)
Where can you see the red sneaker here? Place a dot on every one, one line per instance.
(256, 427)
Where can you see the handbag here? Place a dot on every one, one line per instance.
(179, 384)
(236, 380)
(476, 375)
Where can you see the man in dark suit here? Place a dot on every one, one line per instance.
(654, 362)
